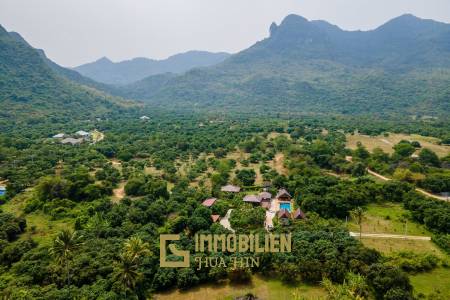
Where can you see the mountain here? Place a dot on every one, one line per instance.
(106, 71)
(32, 89)
(65, 72)
(402, 67)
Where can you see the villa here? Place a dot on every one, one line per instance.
(284, 199)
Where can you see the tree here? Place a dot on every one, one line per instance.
(64, 245)
(136, 248)
(127, 269)
(357, 215)
(361, 152)
(428, 157)
(404, 149)
(246, 176)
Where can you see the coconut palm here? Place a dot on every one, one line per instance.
(136, 248)
(358, 215)
(64, 245)
(126, 271)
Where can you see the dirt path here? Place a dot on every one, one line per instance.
(119, 193)
(391, 236)
(278, 164)
(225, 221)
(423, 192)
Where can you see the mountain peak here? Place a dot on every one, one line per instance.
(104, 59)
(293, 19)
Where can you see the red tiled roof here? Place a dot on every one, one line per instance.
(299, 214)
(252, 198)
(215, 218)
(283, 213)
(209, 202)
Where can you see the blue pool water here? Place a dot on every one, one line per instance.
(286, 206)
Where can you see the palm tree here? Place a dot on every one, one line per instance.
(136, 248)
(126, 271)
(358, 214)
(64, 245)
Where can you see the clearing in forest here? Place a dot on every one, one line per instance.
(387, 142)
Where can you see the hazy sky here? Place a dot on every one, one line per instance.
(74, 32)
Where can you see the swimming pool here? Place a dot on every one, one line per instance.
(286, 206)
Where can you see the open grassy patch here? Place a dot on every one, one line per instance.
(40, 227)
(388, 218)
(388, 246)
(386, 142)
(434, 282)
(263, 288)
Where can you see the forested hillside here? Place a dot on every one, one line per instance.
(402, 67)
(30, 90)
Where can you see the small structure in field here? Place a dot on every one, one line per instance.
(209, 202)
(215, 218)
(144, 118)
(59, 136)
(83, 134)
(229, 188)
(72, 141)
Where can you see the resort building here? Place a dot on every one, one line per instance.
(253, 199)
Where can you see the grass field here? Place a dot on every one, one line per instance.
(263, 288)
(388, 218)
(436, 281)
(386, 143)
(388, 246)
(39, 225)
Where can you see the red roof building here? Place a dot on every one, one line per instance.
(283, 214)
(299, 214)
(209, 202)
(215, 218)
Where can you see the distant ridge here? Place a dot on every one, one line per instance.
(401, 67)
(128, 71)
